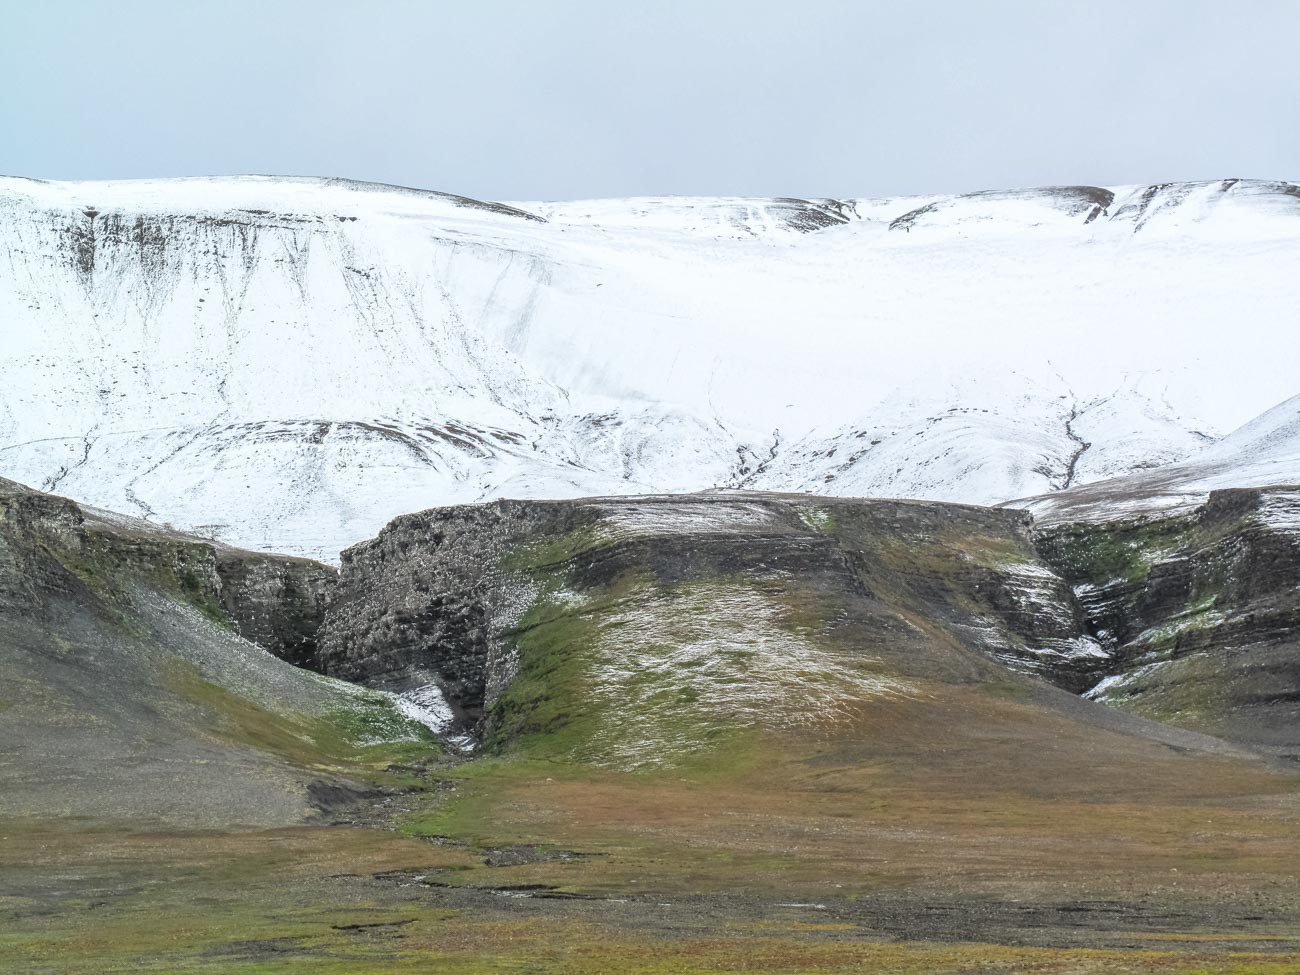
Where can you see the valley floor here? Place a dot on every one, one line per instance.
(806, 864)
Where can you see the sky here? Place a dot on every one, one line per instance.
(565, 99)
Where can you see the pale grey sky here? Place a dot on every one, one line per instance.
(510, 99)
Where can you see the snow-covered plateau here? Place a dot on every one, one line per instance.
(287, 363)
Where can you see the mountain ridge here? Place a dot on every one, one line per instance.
(286, 363)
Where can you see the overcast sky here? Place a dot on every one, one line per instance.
(527, 99)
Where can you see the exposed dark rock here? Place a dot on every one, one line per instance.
(1200, 612)
(274, 601)
(449, 591)
(1070, 200)
(417, 596)
(334, 799)
(130, 690)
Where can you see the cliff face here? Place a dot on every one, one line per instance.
(655, 632)
(276, 602)
(1190, 619)
(691, 616)
(433, 598)
(135, 681)
(641, 631)
(1199, 612)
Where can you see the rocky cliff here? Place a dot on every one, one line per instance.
(507, 607)
(140, 679)
(1199, 612)
(704, 610)
(277, 602)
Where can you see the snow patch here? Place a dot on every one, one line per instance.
(671, 666)
(683, 518)
(426, 705)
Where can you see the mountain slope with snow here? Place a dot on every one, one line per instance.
(1263, 453)
(287, 363)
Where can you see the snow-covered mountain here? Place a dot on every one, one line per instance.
(287, 363)
(1265, 452)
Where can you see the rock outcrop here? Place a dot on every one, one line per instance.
(140, 679)
(1189, 619)
(1199, 612)
(797, 602)
(277, 602)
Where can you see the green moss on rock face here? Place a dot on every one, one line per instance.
(1163, 641)
(191, 577)
(544, 709)
(553, 551)
(106, 564)
(632, 671)
(641, 674)
(996, 552)
(1105, 552)
(819, 519)
(541, 709)
(1198, 611)
(276, 602)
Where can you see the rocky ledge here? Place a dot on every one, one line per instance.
(46, 542)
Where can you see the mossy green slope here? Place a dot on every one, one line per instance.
(132, 696)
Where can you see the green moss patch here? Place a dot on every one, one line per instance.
(1106, 552)
(553, 551)
(819, 519)
(361, 736)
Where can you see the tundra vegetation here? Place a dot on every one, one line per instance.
(719, 733)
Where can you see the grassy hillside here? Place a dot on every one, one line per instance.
(719, 735)
(130, 694)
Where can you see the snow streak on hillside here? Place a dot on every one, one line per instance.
(287, 363)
